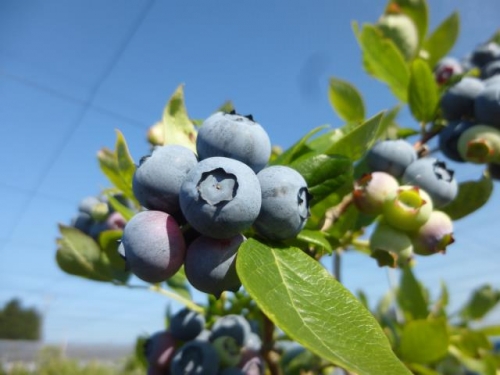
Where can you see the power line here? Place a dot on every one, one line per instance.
(86, 106)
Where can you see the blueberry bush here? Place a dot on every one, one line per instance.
(216, 208)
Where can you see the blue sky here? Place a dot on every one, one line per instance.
(72, 72)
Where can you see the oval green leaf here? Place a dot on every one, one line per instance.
(314, 309)
(424, 341)
(441, 41)
(423, 92)
(346, 100)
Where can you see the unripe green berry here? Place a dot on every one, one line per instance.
(402, 31)
(480, 144)
(409, 209)
(434, 236)
(387, 238)
(99, 211)
(371, 191)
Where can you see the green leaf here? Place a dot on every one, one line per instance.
(387, 121)
(298, 149)
(313, 237)
(484, 366)
(495, 37)
(385, 61)
(310, 306)
(109, 166)
(442, 40)
(357, 141)
(226, 107)
(418, 11)
(411, 297)
(346, 100)
(421, 369)
(177, 127)
(126, 164)
(471, 196)
(471, 343)
(324, 174)
(423, 92)
(424, 341)
(109, 242)
(490, 330)
(125, 211)
(482, 301)
(78, 254)
(178, 283)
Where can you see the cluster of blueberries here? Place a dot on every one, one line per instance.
(471, 107)
(96, 215)
(228, 347)
(197, 206)
(404, 191)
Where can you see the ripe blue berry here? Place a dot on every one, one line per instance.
(186, 324)
(234, 136)
(432, 175)
(391, 156)
(235, 326)
(491, 69)
(485, 53)
(195, 358)
(210, 264)
(82, 221)
(448, 139)
(159, 177)
(220, 197)
(458, 101)
(154, 246)
(487, 105)
(285, 203)
(159, 350)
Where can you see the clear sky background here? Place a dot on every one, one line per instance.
(71, 72)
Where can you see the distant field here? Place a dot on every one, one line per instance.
(26, 351)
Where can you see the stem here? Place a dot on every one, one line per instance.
(188, 303)
(267, 351)
(337, 264)
(157, 289)
(332, 215)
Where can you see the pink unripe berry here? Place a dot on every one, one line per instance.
(434, 236)
(372, 189)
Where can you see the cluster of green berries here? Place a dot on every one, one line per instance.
(404, 191)
(470, 105)
(189, 346)
(197, 206)
(96, 215)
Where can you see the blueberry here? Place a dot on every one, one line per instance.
(210, 264)
(234, 136)
(487, 105)
(485, 53)
(387, 238)
(159, 350)
(494, 171)
(434, 236)
(195, 358)
(371, 191)
(285, 203)
(86, 204)
(495, 80)
(446, 68)
(233, 325)
(186, 324)
(391, 156)
(82, 221)
(480, 144)
(491, 69)
(159, 177)
(448, 139)
(253, 342)
(434, 177)
(228, 350)
(408, 209)
(220, 197)
(154, 246)
(458, 101)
